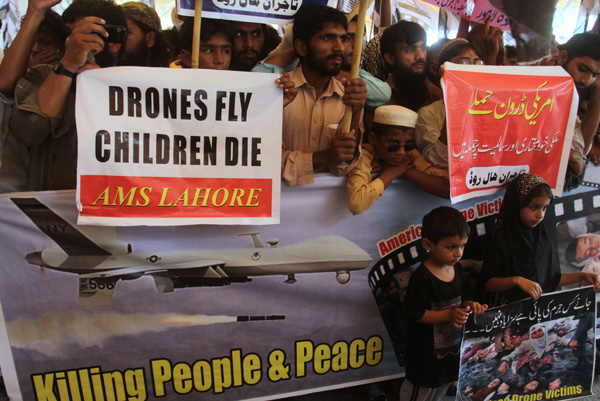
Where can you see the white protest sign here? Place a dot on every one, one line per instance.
(259, 11)
(161, 146)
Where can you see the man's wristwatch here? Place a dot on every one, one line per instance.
(60, 70)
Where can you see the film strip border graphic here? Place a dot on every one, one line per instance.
(569, 208)
(573, 207)
(590, 184)
(406, 256)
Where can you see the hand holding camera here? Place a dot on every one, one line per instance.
(88, 37)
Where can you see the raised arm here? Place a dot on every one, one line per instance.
(16, 59)
(83, 41)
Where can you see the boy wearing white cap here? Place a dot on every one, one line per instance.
(391, 145)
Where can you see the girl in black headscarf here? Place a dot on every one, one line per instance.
(520, 262)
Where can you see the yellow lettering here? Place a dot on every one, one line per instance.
(203, 197)
(202, 376)
(113, 383)
(136, 386)
(163, 197)
(183, 198)
(340, 356)
(374, 350)
(254, 192)
(144, 196)
(304, 352)
(251, 370)
(322, 356)
(238, 193)
(221, 374)
(43, 387)
(236, 362)
(216, 196)
(161, 374)
(182, 378)
(356, 348)
(103, 196)
(119, 195)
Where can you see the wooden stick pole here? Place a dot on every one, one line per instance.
(196, 38)
(356, 57)
(354, 11)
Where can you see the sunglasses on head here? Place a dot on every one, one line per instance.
(408, 146)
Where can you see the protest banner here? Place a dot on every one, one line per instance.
(178, 146)
(454, 6)
(262, 11)
(481, 11)
(502, 121)
(167, 319)
(188, 314)
(175, 328)
(542, 350)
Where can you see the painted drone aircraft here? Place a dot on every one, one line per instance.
(99, 269)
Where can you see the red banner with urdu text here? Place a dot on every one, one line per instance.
(503, 121)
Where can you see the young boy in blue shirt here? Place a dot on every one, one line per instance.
(438, 303)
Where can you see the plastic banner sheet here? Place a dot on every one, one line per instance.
(222, 312)
(542, 350)
(262, 11)
(178, 146)
(502, 121)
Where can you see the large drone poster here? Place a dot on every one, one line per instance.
(215, 312)
(190, 312)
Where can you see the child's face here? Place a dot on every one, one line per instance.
(533, 214)
(532, 386)
(393, 146)
(215, 53)
(447, 251)
(504, 387)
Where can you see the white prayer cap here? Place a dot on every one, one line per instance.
(395, 115)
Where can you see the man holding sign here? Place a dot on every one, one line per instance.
(312, 141)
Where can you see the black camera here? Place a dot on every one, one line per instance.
(116, 34)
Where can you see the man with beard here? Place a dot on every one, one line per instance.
(404, 49)
(145, 46)
(249, 45)
(41, 147)
(312, 137)
(378, 92)
(580, 57)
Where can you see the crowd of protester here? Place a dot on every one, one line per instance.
(37, 77)
(398, 125)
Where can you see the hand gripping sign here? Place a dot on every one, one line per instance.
(503, 121)
(177, 146)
